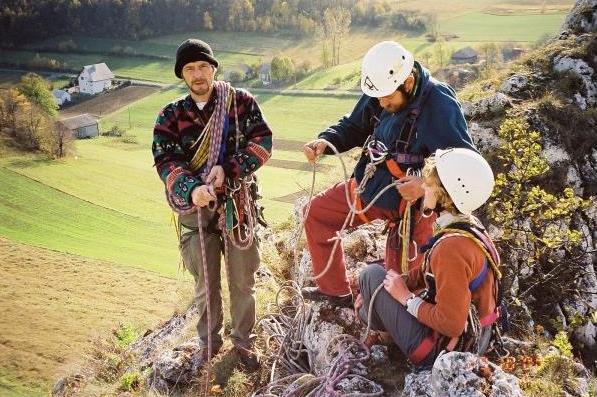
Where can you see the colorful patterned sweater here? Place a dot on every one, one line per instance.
(178, 127)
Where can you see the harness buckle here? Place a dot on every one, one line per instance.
(377, 151)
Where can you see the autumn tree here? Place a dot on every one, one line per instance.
(37, 91)
(282, 68)
(335, 26)
(208, 23)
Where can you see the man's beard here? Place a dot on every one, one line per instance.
(199, 90)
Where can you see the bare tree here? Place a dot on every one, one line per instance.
(335, 26)
(58, 141)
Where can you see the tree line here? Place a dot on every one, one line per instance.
(24, 21)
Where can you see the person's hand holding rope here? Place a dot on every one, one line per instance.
(410, 187)
(396, 287)
(203, 195)
(314, 149)
(216, 176)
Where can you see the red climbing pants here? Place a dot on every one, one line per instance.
(327, 213)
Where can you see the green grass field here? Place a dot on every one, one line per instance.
(125, 67)
(481, 27)
(37, 214)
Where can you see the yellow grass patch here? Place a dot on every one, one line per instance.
(53, 304)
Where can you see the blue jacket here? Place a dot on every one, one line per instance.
(440, 125)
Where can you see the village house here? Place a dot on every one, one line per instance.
(61, 97)
(81, 126)
(94, 79)
(265, 73)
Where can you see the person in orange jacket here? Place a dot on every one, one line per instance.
(450, 302)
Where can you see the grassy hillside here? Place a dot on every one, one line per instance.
(480, 27)
(54, 305)
(37, 214)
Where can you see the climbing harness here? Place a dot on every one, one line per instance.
(476, 328)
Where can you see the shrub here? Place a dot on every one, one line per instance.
(538, 234)
(130, 381)
(125, 335)
(39, 62)
(130, 139)
(238, 385)
(114, 131)
(66, 46)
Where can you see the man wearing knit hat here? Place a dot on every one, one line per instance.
(206, 147)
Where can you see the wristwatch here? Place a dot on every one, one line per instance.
(412, 295)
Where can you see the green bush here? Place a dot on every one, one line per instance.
(538, 233)
(130, 381)
(125, 335)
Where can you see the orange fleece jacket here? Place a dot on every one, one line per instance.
(455, 262)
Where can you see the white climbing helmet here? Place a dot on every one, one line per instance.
(385, 67)
(466, 176)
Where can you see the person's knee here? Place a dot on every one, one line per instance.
(371, 277)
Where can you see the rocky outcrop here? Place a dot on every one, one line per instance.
(491, 106)
(587, 95)
(582, 18)
(462, 374)
(178, 368)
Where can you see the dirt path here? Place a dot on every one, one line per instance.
(109, 102)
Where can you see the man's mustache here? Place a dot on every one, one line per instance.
(199, 81)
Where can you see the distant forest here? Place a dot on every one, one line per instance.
(24, 21)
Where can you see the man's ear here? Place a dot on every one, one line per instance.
(409, 83)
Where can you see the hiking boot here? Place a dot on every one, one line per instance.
(203, 354)
(314, 294)
(247, 358)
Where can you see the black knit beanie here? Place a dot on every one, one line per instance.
(193, 50)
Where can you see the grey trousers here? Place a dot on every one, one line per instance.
(390, 316)
(242, 265)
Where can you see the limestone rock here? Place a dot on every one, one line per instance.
(327, 321)
(515, 85)
(147, 347)
(581, 69)
(177, 368)
(494, 105)
(68, 386)
(466, 375)
(417, 385)
(485, 138)
(583, 17)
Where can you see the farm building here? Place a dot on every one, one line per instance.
(465, 55)
(81, 126)
(94, 79)
(60, 97)
(265, 73)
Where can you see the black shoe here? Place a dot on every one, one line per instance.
(314, 294)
